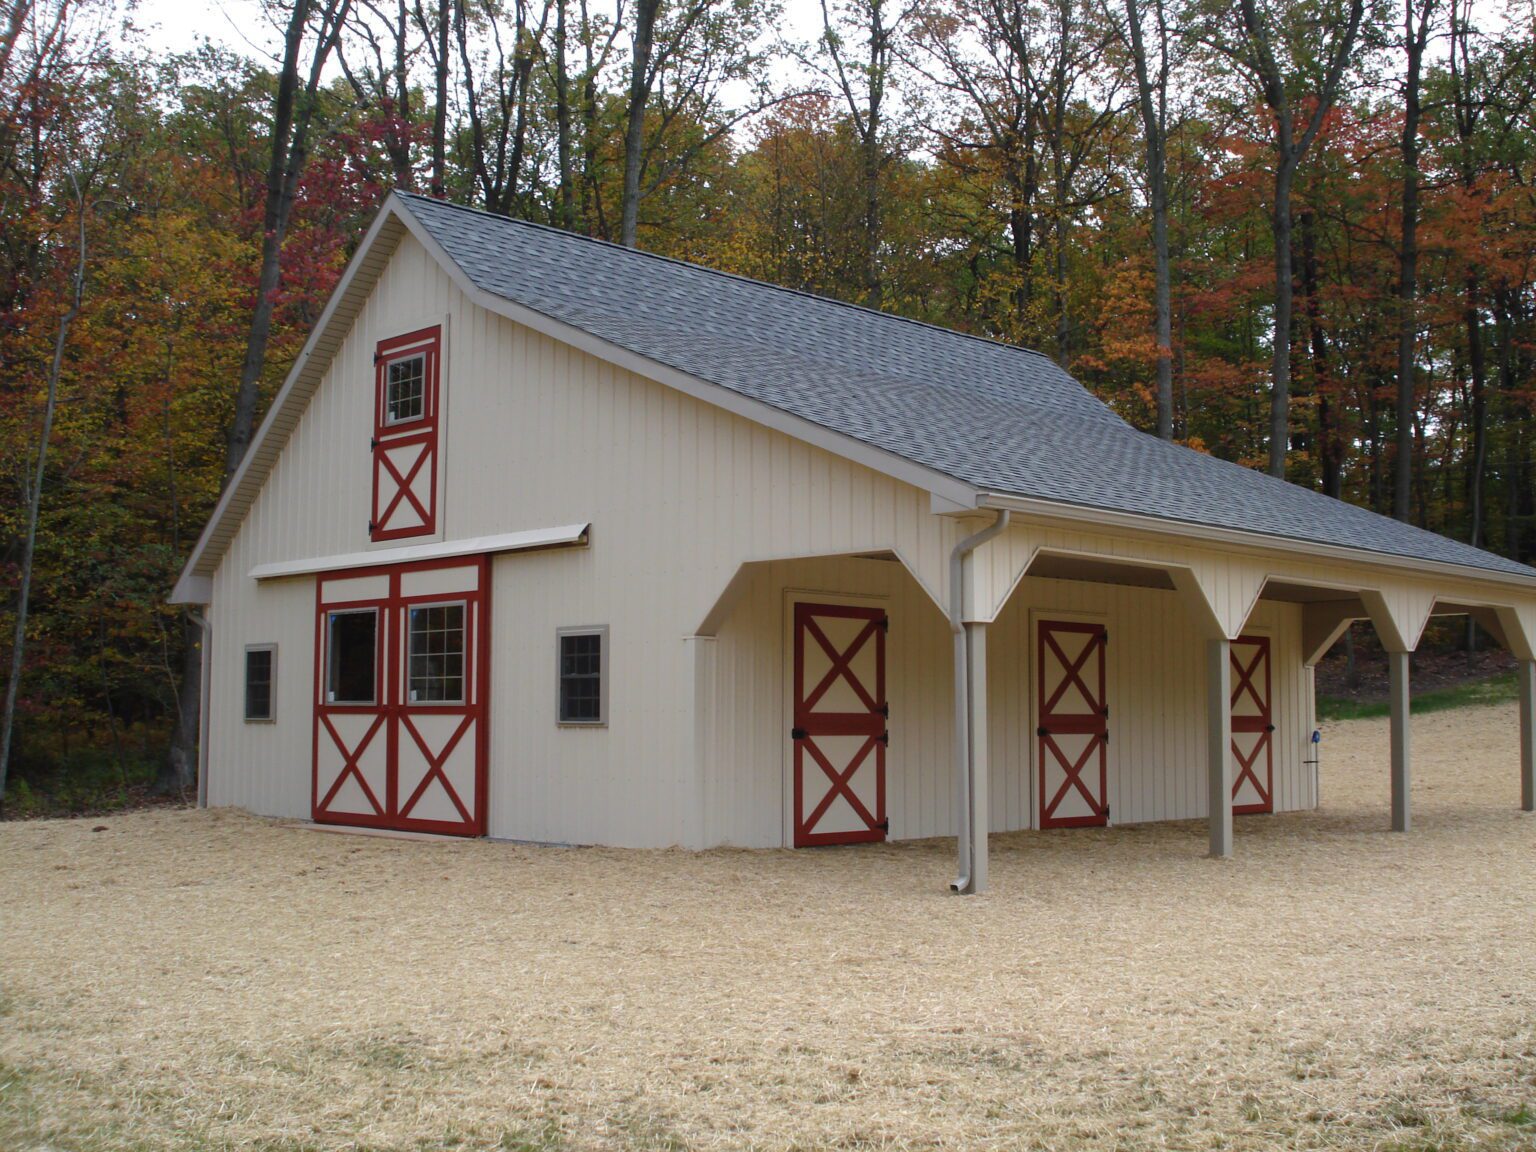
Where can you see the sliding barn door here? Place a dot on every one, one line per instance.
(401, 680)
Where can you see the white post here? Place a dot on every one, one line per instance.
(976, 673)
(1218, 715)
(1397, 663)
(699, 661)
(1528, 735)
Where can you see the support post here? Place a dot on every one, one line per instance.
(976, 674)
(1397, 663)
(699, 662)
(1218, 709)
(1528, 735)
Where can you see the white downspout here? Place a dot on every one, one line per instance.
(203, 701)
(965, 834)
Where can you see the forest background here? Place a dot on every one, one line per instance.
(1298, 235)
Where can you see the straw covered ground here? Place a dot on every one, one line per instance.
(192, 980)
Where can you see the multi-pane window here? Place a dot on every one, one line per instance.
(582, 665)
(352, 657)
(260, 662)
(436, 673)
(405, 389)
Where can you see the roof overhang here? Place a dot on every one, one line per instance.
(1261, 542)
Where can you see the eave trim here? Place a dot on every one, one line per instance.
(1094, 517)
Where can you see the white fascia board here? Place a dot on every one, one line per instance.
(1261, 542)
(279, 404)
(856, 451)
(566, 536)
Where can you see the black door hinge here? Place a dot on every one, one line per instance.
(885, 624)
(885, 825)
(1269, 727)
(884, 738)
(373, 443)
(1042, 732)
(884, 710)
(798, 733)
(372, 527)
(1104, 711)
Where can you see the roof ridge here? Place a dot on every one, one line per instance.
(736, 276)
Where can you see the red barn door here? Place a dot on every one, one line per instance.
(839, 732)
(401, 671)
(1253, 727)
(1073, 717)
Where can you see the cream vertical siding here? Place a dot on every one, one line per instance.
(680, 496)
(1156, 687)
(746, 763)
(1156, 693)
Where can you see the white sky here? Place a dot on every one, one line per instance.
(242, 25)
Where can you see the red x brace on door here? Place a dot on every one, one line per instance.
(839, 733)
(1074, 724)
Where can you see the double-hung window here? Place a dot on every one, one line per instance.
(583, 676)
(260, 671)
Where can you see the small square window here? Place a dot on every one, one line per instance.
(583, 676)
(260, 664)
(405, 389)
(437, 654)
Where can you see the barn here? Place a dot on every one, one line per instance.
(551, 540)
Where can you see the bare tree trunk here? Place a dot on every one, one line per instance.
(1152, 102)
(1472, 317)
(1280, 359)
(1261, 62)
(563, 120)
(1414, 40)
(289, 151)
(634, 129)
(1329, 442)
(439, 179)
(35, 499)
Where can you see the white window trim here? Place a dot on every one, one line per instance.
(245, 702)
(330, 652)
(390, 420)
(601, 631)
(405, 688)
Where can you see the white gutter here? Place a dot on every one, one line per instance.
(964, 766)
(1080, 515)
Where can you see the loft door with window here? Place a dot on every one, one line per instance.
(400, 682)
(407, 375)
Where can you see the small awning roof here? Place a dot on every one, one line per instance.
(568, 536)
(532, 540)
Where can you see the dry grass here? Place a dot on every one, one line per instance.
(191, 980)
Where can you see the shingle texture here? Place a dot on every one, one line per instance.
(998, 417)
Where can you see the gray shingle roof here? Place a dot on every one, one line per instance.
(1000, 418)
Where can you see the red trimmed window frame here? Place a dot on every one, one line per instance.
(392, 488)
